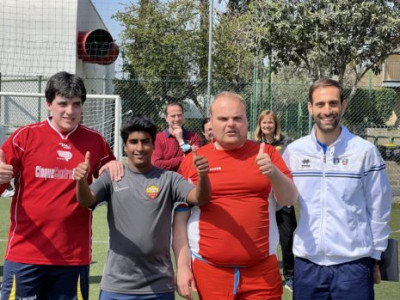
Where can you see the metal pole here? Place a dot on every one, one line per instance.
(39, 107)
(370, 85)
(210, 40)
(254, 96)
(118, 119)
(260, 106)
(269, 82)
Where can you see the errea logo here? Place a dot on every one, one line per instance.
(305, 163)
(65, 146)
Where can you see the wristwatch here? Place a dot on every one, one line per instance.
(185, 147)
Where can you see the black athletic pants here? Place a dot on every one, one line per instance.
(286, 220)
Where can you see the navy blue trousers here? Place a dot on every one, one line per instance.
(348, 281)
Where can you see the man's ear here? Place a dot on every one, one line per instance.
(48, 104)
(344, 107)
(309, 107)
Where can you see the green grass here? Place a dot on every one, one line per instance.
(383, 291)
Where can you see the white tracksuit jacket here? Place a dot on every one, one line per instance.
(345, 199)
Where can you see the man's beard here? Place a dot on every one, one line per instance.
(328, 128)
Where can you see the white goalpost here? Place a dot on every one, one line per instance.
(101, 112)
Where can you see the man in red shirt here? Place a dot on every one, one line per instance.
(48, 251)
(175, 142)
(229, 237)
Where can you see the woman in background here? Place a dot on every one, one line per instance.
(206, 131)
(268, 130)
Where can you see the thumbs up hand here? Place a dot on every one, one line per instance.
(6, 171)
(200, 162)
(83, 169)
(264, 162)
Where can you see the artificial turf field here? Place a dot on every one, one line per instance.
(383, 291)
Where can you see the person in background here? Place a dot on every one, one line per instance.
(345, 204)
(206, 131)
(228, 237)
(268, 130)
(175, 142)
(139, 215)
(49, 246)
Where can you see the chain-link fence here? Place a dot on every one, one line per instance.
(372, 111)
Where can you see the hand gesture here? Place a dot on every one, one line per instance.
(83, 169)
(116, 169)
(6, 171)
(264, 162)
(177, 132)
(200, 162)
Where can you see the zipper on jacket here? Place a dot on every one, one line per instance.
(323, 210)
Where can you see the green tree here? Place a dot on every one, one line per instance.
(160, 38)
(239, 6)
(165, 47)
(232, 56)
(329, 37)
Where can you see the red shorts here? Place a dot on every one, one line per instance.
(261, 281)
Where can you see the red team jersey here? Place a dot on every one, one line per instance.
(48, 226)
(232, 230)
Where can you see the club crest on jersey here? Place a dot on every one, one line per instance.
(153, 191)
(64, 155)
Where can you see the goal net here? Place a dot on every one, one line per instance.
(100, 112)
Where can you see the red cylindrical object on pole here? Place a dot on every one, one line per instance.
(97, 47)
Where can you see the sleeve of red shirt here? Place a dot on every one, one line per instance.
(13, 154)
(107, 156)
(196, 140)
(186, 168)
(183, 168)
(277, 160)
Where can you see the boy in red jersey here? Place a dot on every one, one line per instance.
(229, 237)
(48, 251)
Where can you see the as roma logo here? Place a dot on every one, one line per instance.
(153, 191)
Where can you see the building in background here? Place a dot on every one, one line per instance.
(42, 37)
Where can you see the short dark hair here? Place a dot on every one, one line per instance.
(173, 104)
(138, 123)
(325, 82)
(66, 85)
(204, 122)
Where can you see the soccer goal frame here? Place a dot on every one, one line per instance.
(40, 113)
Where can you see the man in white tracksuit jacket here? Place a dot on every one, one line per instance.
(345, 203)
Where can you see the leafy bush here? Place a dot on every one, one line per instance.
(370, 107)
